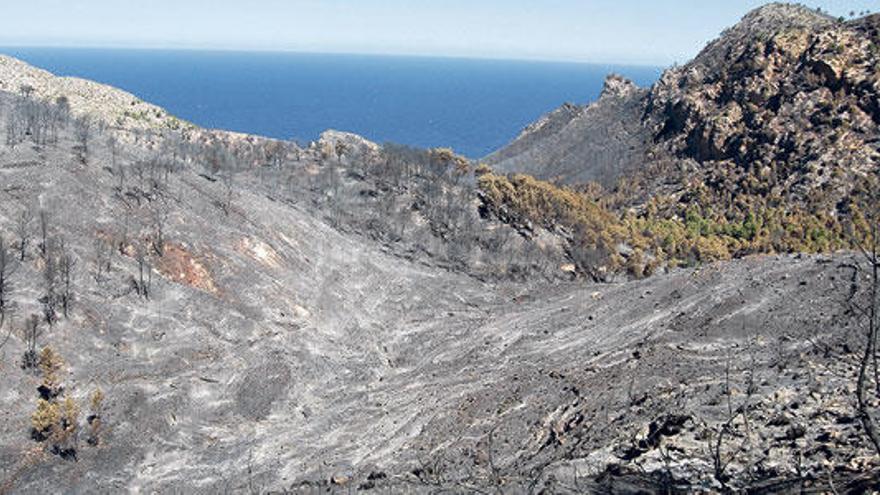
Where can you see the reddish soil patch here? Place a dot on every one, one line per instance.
(181, 266)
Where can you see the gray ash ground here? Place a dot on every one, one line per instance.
(278, 354)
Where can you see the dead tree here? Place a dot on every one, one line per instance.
(160, 213)
(139, 170)
(83, 135)
(37, 118)
(30, 335)
(62, 104)
(44, 232)
(13, 127)
(174, 151)
(865, 234)
(103, 252)
(145, 273)
(6, 271)
(218, 158)
(228, 180)
(122, 238)
(23, 230)
(717, 439)
(275, 155)
(115, 166)
(26, 90)
(66, 265)
(49, 300)
(331, 185)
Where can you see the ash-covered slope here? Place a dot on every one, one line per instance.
(278, 348)
(258, 314)
(788, 92)
(274, 352)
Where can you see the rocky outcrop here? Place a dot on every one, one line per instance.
(340, 145)
(617, 86)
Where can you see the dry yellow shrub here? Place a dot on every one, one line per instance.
(45, 419)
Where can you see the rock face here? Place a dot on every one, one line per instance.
(787, 89)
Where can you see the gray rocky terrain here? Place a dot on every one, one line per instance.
(599, 142)
(264, 317)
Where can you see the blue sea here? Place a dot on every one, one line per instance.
(472, 106)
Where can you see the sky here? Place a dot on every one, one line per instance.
(607, 31)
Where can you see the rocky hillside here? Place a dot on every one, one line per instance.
(113, 106)
(788, 100)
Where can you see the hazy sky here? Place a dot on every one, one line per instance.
(625, 31)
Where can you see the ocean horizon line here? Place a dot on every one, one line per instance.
(307, 52)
